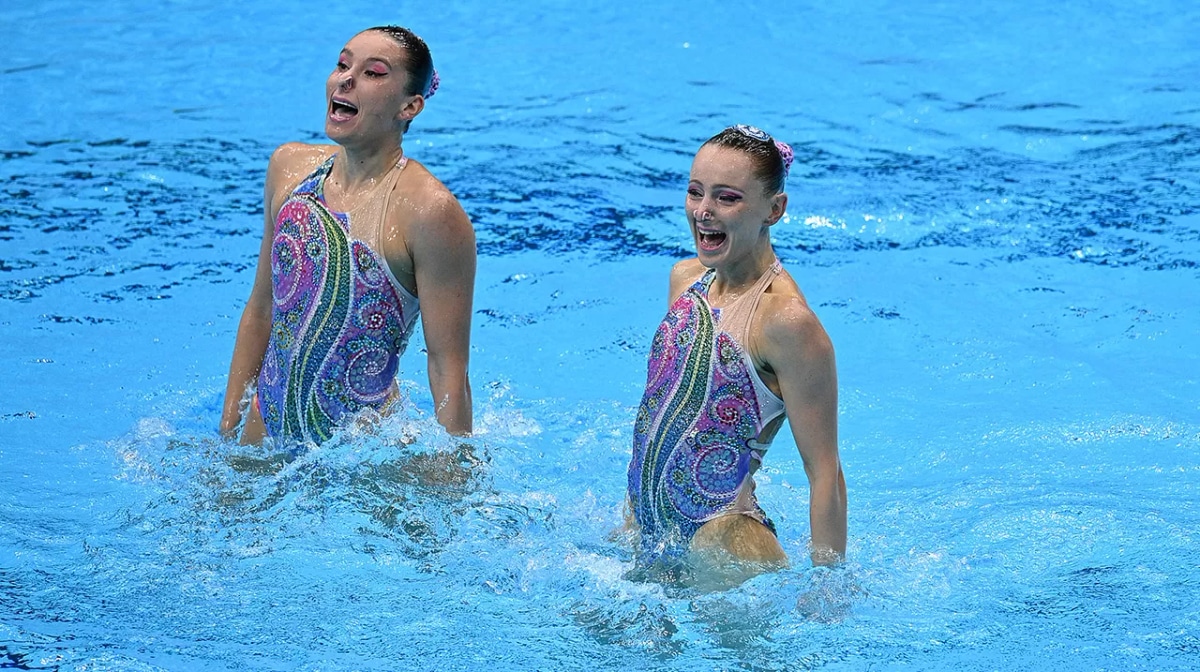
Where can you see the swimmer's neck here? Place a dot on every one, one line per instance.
(356, 166)
(736, 279)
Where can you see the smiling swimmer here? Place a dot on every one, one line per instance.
(738, 352)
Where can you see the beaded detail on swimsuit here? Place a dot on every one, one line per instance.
(340, 319)
(695, 443)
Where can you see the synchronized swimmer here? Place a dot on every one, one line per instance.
(359, 241)
(738, 352)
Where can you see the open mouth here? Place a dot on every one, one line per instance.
(710, 240)
(340, 109)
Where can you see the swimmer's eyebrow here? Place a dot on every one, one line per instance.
(716, 186)
(348, 52)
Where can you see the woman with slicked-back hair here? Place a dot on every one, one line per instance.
(359, 240)
(739, 352)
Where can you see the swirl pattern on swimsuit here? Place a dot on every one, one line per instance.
(692, 438)
(339, 324)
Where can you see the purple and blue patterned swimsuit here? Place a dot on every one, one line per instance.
(696, 438)
(340, 323)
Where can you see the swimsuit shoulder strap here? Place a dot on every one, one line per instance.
(736, 317)
(366, 219)
(314, 183)
(387, 200)
(705, 281)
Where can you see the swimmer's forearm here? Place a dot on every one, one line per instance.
(235, 389)
(452, 402)
(827, 517)
(248, 351)
(456, 421)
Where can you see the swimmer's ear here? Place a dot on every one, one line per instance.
(778, 207)
(412, 107)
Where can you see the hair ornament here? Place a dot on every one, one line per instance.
(752, 132)
(434, 82)
(785, 151)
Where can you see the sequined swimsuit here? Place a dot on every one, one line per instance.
(699, 434)
(340, 319)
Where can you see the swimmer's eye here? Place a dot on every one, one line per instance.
(341, 65)
(375, 73)
(695, 193)
(729, 198)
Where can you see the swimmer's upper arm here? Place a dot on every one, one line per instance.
(442, 245)
(799, 351)
(683, 274)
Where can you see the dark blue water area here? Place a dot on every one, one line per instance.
(993, 210)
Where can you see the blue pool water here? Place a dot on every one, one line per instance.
(994, 210)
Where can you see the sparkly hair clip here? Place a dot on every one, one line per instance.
(755, 133)
(433, 84)
(752, 132)
(785, 151)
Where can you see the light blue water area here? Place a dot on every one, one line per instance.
(993, 210)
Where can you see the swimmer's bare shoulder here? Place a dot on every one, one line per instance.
(290, 163)
(427, 220)
(789, 325)
(683, 274)
(426, 198)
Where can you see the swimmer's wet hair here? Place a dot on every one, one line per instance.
(772, 158)
(422, 78)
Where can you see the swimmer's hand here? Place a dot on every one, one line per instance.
(455, 468)
(627, 532)
(830, 595)
(823, 556)
(228, 428)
